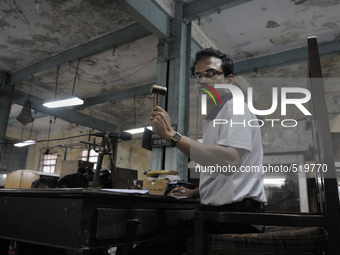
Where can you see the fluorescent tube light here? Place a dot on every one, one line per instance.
(137, 130)
(65, 102)
(25, 143)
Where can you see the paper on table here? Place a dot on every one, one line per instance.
(129, 191)
(179, 197)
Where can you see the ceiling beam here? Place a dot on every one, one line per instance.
(118, 38)
(118, 95)
(200, 8)
(284, 58)
(115, 96)
(149, 14)
(63, 113)
(152, 20)
(242, 67)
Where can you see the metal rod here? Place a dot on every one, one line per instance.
(101, 153)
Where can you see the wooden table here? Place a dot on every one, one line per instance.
(79, 220)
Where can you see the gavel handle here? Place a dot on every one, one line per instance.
(158, 100)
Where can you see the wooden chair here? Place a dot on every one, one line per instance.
(322, 228)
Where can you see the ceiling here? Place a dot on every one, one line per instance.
(268, 38)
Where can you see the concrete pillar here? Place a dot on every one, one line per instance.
(6, 94)
(173, 70)
(157, 157)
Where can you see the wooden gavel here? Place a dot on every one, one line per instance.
(155, 89)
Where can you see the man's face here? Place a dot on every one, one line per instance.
(210, 64)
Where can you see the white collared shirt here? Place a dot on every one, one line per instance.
(219, 189)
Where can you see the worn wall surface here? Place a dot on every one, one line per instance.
(131, 155)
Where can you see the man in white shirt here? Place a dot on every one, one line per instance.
(236, 147)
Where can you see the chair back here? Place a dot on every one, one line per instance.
(326, 182)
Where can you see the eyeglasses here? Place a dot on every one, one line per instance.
(207, 74)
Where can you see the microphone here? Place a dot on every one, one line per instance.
(125, 136)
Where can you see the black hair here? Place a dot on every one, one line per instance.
(227, 63)
(50, 182)
(74, 181)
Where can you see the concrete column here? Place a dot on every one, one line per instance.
(157, 157)
(173, 71)
(6, 94)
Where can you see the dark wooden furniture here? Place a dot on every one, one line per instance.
(124, 178)
(326, 183)
(79, 220)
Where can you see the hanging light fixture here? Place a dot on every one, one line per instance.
(48, 139)
(65, 102)
(25, 116)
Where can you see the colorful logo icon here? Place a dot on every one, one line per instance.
(209, 93)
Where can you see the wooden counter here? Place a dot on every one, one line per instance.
(83, 219)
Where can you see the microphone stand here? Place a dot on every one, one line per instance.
(106, 148)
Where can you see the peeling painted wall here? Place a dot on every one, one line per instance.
(131, 155)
